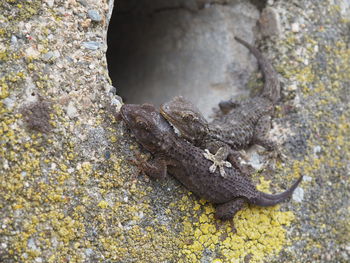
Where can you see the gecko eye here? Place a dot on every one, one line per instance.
(187, 117)
(140, 121)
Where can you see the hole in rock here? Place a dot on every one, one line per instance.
(160, 49)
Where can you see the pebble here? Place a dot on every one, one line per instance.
(298, 195)
(295, 28)
(71, 110)
(255, 161)
(32, 53)
(292, 87)
(86, 23)
(92, 45)
(82, 2)
(140, 214)
(307, 178)
(9, 103)
(31, 244)
(94, 15)
(270, 22)
(113, 90)
(5, 164)
(51, 55)
(50, 2)
(107, 155)
(117, 103)
(13, 40)
(53, 166)
(89, 252)
(47, 57)
(317, 149)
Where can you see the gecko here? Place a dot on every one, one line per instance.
(188, 165)
(244, 123)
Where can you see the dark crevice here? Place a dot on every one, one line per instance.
(160, 49)
(260, 4)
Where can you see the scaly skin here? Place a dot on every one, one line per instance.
(188, 165)
(245, 122)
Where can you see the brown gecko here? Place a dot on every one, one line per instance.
(187, 164)
(245, 122)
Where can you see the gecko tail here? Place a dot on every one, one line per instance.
(272, 87)
(269, 199)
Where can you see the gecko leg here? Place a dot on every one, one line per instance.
(227, 105)
(226, 211)
(155, 168)
(260, 134)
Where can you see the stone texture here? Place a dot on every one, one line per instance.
(94, 15)
(72, 193)
(270, 23)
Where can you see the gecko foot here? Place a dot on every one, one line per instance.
(218, 161)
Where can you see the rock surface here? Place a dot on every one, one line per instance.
(69, 191)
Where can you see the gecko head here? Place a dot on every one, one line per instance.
(147, 125)
(186, 117)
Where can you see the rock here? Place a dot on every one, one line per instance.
(298, 195)
(295, 27)
(13, 40)
(94, 15)
(9, 103)
(50, 2)
(270, 23)
(83, 2)
(92, 45)
(71, 110)
(86, 23)
(32, 53)
(50, 56)
(31, 244)
(307, 178)
(317, 149)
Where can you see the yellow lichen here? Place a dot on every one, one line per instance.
(103, 204)
(259, 232)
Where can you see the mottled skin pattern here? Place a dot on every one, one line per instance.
(187, 164)
(244, 122)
